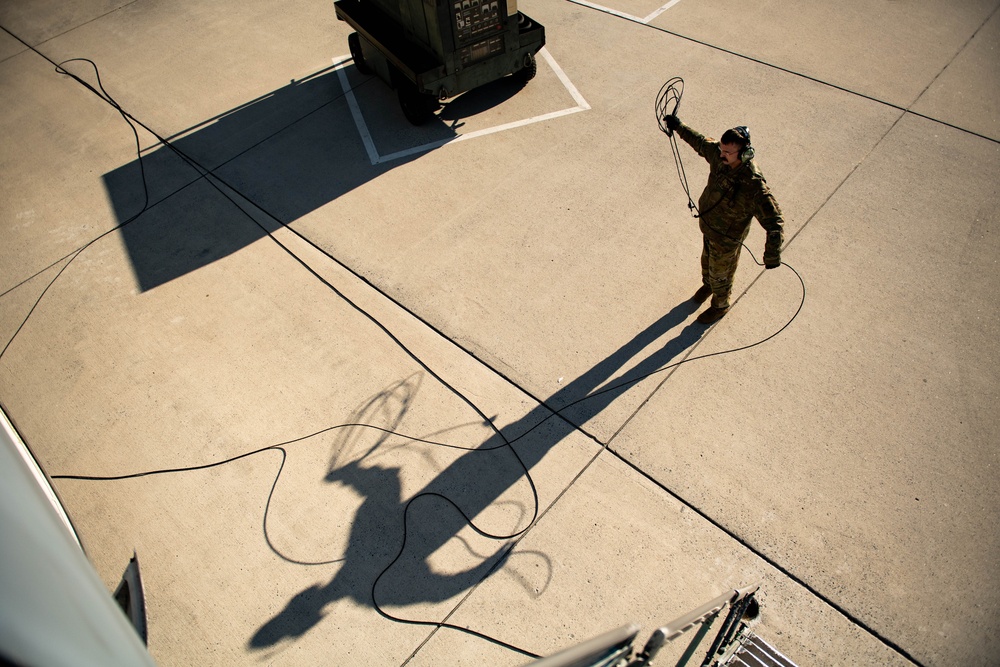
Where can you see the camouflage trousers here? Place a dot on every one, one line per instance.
(718, 267)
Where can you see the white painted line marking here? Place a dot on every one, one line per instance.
(375, 158)
(423, 148)
(577, 97)
(660, 11)
(624, 15)
(607, 10)
(359, 120)
(482, 133)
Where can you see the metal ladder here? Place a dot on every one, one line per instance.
(735, 644)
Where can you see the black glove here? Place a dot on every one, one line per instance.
(672, 121)
(772, 265)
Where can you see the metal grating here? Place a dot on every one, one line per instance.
(758, 653)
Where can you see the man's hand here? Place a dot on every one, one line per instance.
(773, 264)
(672, 121)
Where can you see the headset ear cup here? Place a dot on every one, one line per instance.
(743, 132)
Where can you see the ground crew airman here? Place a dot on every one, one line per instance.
(735, 193)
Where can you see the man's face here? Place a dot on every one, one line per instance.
(730, 154)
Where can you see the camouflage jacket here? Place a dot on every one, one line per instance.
(733, 196)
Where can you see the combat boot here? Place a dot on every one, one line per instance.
(703, 293)
(712, 315)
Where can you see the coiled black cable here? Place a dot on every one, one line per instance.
(668, 102)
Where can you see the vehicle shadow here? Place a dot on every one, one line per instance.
(479, 100)
(279, 157)
(381, 534)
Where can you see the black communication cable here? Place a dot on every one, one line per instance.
(209, 175)
(668, 101)
(670, 93)
(76, 253)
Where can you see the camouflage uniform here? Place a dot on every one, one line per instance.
(730, 199)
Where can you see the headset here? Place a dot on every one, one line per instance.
(747, 152)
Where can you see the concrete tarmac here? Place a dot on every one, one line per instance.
(452, 374)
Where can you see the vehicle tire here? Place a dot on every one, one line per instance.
(530, 69)
(354, 44)
(417, 107)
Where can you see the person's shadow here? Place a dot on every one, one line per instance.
(290, 152)
(472, 482)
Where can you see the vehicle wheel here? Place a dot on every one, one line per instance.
(417, 107)
(354, 44)
(530, 69)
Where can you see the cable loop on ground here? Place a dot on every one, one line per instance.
(667, 103)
